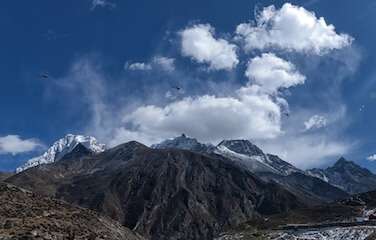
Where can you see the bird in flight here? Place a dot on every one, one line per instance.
(45, 75)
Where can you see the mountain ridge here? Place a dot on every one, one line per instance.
(270, 168)
(347, 175)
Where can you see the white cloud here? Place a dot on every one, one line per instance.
(254, 111)
(250, 114)
(315, 122)
(198, 42)
(273, 73)
(165, 63)
(102, 3)
(372, 157)
(138, 66)
(291, 28)
(307, 151)
(14, 144)
(159, 62)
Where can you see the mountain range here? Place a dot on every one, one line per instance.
(184, 189)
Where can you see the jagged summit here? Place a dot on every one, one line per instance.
(248, 154)
(62, 147)
(185, 143)
(343, 162)
(240, 151)
(242, 147)
(347, 175)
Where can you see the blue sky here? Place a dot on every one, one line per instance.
(95, 87)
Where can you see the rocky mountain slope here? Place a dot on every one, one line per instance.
(4, 175)
(348, 176)
(253, 158)
(269, 167)
(25, 215)
(62, 147)
(162, 194)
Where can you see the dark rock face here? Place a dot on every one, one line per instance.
(348, 176)
(162, 194)
(25, 215)
(309, 189)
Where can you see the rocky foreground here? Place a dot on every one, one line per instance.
(25, 215)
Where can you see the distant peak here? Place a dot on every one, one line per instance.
(242, 146)
(183, 142)
(343, 161)
(62, 147)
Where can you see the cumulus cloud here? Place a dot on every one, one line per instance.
(291, 28)
(249, 111)
(372, 157)
(315, 122)
(159, 62)
(273, 73)
(253, 112)
(250, 114)
(199, 43)
(102, 3)
(14, 144)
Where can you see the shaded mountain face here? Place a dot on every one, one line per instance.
(162, 194)
(348, 176)
(310, 190)
(270, 168)
(25, 215)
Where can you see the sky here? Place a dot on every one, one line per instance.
(295, 77)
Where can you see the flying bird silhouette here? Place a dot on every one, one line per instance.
(45, 75)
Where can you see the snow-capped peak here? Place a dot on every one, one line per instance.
(61, 147)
